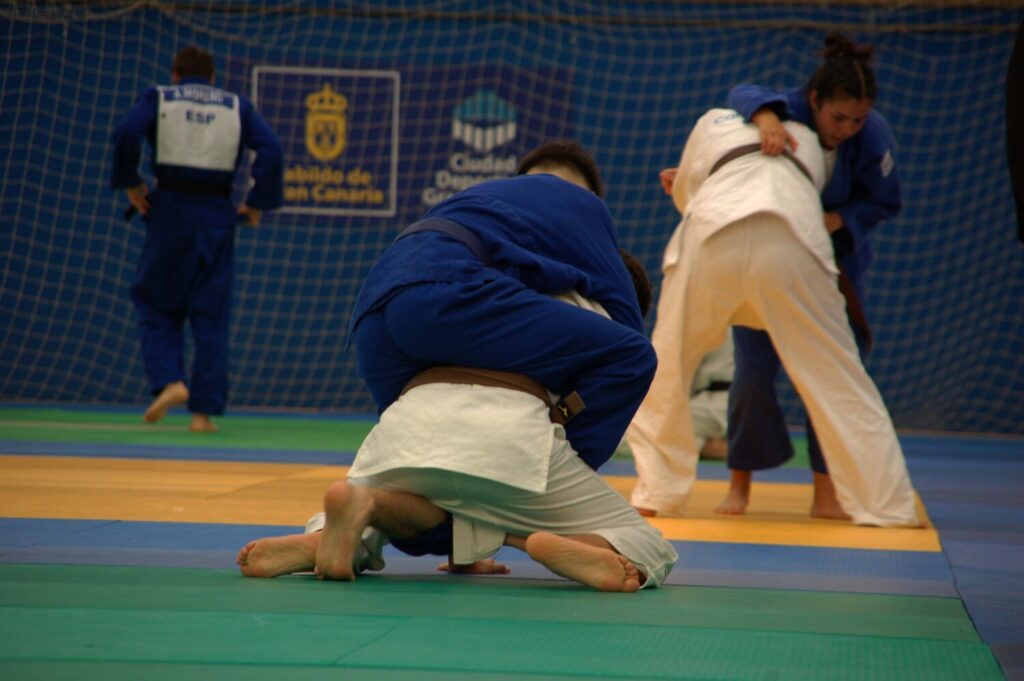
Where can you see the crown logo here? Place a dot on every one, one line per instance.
(327, 101)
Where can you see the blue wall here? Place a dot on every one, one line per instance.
(627, 79)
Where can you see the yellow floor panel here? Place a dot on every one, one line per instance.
(287, 494)
(778, 514)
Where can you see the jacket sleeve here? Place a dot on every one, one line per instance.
(128, 139)
(747, 98)
(875, 192)
(267, 169)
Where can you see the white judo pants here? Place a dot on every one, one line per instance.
(576, 501)
(756, 273)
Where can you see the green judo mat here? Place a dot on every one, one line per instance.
(236, 432)
(122, 622)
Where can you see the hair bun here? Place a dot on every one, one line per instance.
(838, 46)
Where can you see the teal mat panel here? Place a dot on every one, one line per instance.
(485, 626)
(188, 636)
(459, 597)
(671, 652)
(129, 671)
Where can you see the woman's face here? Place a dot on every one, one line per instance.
(837, 120)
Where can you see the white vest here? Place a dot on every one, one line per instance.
(198, 126)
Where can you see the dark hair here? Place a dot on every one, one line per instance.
(193, 61)
(846, 71)
(564, 152)
(641, 282)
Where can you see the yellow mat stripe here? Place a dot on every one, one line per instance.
(287, 494)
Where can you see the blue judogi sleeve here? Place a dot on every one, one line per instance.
(267, 169)
(138, 125)
(864, 190)
(747, 98)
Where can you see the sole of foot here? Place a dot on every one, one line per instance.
(171, 396)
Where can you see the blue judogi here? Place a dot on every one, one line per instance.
(864, 190)
(431, 301)
(198, 133)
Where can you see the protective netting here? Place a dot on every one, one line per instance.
(425, 98)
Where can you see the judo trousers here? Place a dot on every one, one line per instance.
(577, 501)
(756, 273)
(757, 431)
(185, 273)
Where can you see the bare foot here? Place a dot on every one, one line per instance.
(738, 497)
(601, 569)
(172, 395)
(201, 423)
(825, 504)
(646, 512)
(274, 556)
(348, 509)
(735, 503)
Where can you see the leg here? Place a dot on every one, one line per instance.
(738, 497)
(825, 504)
(805, 314)
(350, 508)
(757, 433)
(210, 313)
(589, 560)
(159, 293)
(577, 505)
(758, 437)
(661, 435)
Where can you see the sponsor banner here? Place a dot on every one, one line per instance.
(339, 130)
(473, 123)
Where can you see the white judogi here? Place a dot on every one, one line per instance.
(753, 250)
(710, 408)
(493, 459)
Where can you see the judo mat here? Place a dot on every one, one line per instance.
(117, 545)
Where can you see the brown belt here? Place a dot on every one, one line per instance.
(746, 149)
(854, 308)
(560, 412)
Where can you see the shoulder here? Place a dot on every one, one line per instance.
(876, 138)
(878, 128)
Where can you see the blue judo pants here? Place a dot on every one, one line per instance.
(498, 323)
(757, 433)
(185, 273)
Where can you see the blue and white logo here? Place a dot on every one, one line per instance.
(484, 121)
